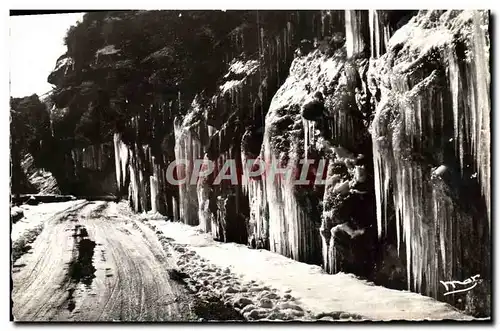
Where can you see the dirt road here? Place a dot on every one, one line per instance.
(93, 263)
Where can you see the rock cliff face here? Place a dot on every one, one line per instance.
(38, 180)
(386, 113)
(94, 170)
(314, 117)
(42, 162)
(431, 147)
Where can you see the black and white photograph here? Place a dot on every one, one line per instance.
(238, 166)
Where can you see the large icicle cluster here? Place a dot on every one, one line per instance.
(430, 133)
(258, 221)
(238, 106)
(471, 104)
(93, 157)
(292, 228)
(188, 148)
(141, 176)
(380, 33)
(314, 100)
(429, 84)
(355, 23)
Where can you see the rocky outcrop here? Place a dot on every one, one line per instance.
(40, 180)
(230, 126)
(94, 170)
(431, 146)
(296, 130)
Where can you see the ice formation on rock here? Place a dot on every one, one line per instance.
(355, 24)
(91, 157)
(380, 34)
(188, 148)
(429, 83)
(121, 160)
(291, 229)
(429, 220)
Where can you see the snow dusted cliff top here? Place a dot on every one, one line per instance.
(238, 72)
(308, 74)
(430, 31)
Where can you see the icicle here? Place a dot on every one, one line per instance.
(378, 188)
(482, 110)
(175, 210)
(134, 188)
(425, 214)
(290, 230)
(121, 160)
(306, 136)
(387, 36)
(378, 46)
(153, 184)
(373, 33)
(354, 38)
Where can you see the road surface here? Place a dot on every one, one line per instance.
(93, 263)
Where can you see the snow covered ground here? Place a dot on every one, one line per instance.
(268, 286)
(91, 264)
(35, 216)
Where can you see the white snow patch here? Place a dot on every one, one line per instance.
(107, 50)
(243, 67)
(153, 216)
(229, 85)
(315, 71)
(65, 61)
(238, 67)
(36, 215)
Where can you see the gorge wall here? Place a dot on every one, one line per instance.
(391, 108)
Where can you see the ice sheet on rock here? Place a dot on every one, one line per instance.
(315, 69)
(426, 217)
(187, 148)
(354, 38)
(380, 34)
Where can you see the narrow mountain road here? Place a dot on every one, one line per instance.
(95, 264)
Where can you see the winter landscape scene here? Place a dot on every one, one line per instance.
(328, 166)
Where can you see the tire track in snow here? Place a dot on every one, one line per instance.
(139, 288)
